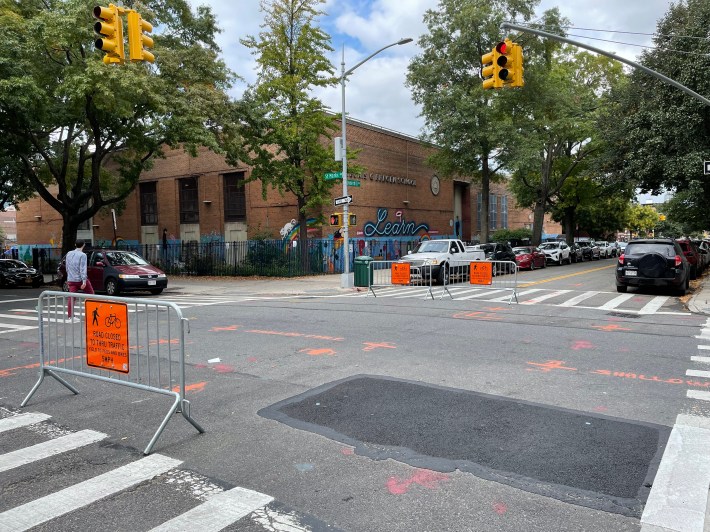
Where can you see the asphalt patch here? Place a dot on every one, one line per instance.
(585, 459)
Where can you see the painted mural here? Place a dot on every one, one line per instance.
(401, 227)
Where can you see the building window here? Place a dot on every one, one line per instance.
(492, 212)
(149, 203)
(479, 206)
(235, 200)
(504, 212)
(189, 206)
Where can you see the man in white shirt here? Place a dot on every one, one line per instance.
(77, 278)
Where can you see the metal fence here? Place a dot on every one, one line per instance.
(395, 278)
(139, 343)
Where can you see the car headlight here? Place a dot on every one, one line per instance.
(431, 262)
(128, 276)
(161, 276)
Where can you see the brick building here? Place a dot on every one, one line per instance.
(203, 199)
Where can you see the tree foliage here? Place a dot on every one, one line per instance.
(642, 219)
(469, 125)
(81, 131)
(283, 128)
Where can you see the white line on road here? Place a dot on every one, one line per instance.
(618, 300)
(678, 499)
(523, 293)
(705, 360)
(653, 305)
(698, 373)
(48, 448)
(21, 420)
(487, 292)
(706, 347)
(545, 297)
(74, 497)
(697, 394)
(578, 299)
(218, 512)
(17, 317)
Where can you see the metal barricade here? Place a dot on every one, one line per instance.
(134, 342)
(502, 275)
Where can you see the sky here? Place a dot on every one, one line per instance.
(376, 91)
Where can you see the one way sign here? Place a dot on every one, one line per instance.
(707, 167)
(343, 200)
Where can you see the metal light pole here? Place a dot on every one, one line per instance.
(345, 279)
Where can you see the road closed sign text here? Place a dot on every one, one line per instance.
(481, 272)
(107, 335)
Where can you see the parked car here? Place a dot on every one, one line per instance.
(653, 262)
(621, 246)
(498, 251)
(14, 272)
(575, 252)
(703, 247)
(605, 249)
(557, 252)
(590, 251)
(115, 271)
(529, 257)
(692, 254)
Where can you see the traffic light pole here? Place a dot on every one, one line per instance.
(508, 25)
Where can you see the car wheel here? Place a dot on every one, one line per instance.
(560, 261)
(112, 287)
(544, 263)
(681, 291)
(694, 272)
(156, 291)
(532, 264)
(444, 274)
(621, 288)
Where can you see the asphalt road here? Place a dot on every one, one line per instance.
(393, 412)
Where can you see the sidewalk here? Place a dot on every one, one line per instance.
(699, 303)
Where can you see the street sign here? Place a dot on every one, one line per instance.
(707, 167)
(107, 335)
(353, 183)
(343, 201)
(333, 175)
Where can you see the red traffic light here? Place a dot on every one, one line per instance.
(501, 47)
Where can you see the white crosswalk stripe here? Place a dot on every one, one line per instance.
(218, 510)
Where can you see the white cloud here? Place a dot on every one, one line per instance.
(375, 92)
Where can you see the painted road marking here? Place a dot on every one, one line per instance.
(16, 317)
(578, 299)
(706, 347)
(654, 305)
(705, 360)
(523, 293)
(680, 490)
(482, 294)
(698, 373)
(558, 277)
(218, 512)
(48, 448)
(21, 420)
(697, 394)
(74, 497)
(618, 300)
(544, 297)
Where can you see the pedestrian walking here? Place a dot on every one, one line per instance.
(77, 277)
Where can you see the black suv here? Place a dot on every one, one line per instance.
(590, 251)
(653, 262)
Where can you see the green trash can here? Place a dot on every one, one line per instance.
(362, 271)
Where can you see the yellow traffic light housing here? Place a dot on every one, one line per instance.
(515, 68)
(503, 66)
(489, 72)
(335, 219)
(110, 26)
(138, 41)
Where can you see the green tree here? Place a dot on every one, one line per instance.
(658, 135)
(283, 128)
(556, 128)
(83, 131)
(686, 209)
(469, 125)
(642, 219)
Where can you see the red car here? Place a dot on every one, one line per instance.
(529, 257)
(116, 271)
(692, 254)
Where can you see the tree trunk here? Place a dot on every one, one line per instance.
(69, 230)
(569, 224)
(303, 237)
(538, 221)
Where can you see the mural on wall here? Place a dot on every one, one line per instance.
(399, 228)
(289, 232)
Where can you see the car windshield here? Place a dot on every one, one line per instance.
(12, 264)
(522, 251)
(125, 258)
(550, 245)
(642, 248)
(431, 246)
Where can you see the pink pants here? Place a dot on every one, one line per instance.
(75, 286)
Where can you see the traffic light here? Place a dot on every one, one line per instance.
(352, 219)
(110, 26)
(503, 66)
(515, 66)
(335, 219)
(137, 40)
(489, 72)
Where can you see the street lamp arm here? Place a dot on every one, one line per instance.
(400, 42)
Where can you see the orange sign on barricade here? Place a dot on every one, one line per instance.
(107, 335)
(400, 273)
(481, 272)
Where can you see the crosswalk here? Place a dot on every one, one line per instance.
(213, 508)
(633, 303)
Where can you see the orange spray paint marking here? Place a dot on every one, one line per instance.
(318, 352)
(500, 508)
(223, 368)
(296, 335)
(251, 359)
(611, 327)
(582, 344)
(347, 451)
(371, 346)
(548, 366)
(227, 328)
(478, 315)
(11, 371)
(423, 477)
(494, 309)
(196, 387)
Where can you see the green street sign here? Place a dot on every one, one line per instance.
(353, 183)
(333, 175)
